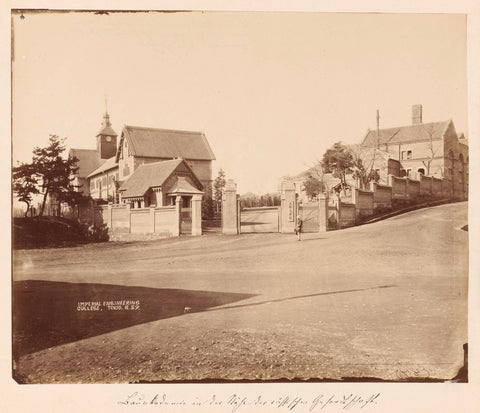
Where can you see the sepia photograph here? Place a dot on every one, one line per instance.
(239, 197)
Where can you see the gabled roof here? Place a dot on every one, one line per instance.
(151, 175)
(110, 163)
(407, 133)
(182, 186)
(165, 143)
(147, 176)
(88, 160)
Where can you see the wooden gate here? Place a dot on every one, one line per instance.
(308, 211)
(261, 219)
(186, 215)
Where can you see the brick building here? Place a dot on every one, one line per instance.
(430, 149)
(104, 170)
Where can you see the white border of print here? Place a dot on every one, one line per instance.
(104, 398)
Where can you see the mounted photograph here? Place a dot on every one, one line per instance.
(239, 197)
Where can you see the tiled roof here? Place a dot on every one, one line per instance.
(166, 143)
(88, 160)
(108, 164)
(147, 176)
(182, 186)
(408, 133)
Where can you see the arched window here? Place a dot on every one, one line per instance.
(421, 171)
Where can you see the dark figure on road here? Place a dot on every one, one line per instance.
(298, 228)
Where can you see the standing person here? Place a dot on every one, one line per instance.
(298, 228)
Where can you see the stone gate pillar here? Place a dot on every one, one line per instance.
(197, 215)
(178, 210)
(230, 208)
(288, 210)
(323, 212)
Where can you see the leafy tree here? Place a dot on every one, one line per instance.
(250, 200)
(25, 184)
(218, 188)
(207, 203)
(313, 187)
(50, 174)
(338, 161)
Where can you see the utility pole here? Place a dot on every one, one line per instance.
(378, 129)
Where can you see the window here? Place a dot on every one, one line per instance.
(409, 172)
(409, 154)
(421, 171)
(406, 155)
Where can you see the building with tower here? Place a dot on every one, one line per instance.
(104, 171)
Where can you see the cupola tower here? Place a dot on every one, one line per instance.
(106, 139)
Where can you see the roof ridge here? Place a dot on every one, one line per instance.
(163, 129)
(417, 124)
(155, 163)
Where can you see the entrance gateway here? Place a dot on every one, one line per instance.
(183, 193)
(260, 219)
(309, 213)
(186, 215)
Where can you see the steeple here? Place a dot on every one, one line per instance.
(106, 126)
(106, 139)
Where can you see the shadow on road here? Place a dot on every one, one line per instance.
(46, 314)
(299, 296)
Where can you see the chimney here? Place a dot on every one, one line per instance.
(416, 114)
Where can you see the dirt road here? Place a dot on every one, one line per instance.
(386, 300)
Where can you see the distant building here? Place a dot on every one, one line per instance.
(432, 149)
(111, 166)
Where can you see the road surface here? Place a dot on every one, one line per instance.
(386, 300)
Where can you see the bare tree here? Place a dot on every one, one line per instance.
(316, 178)
(430, 130)
(364, 159)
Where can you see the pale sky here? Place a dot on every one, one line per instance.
(271, 91)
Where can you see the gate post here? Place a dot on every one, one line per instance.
(288, 210)
(109, 216)
(230, 208)
(178, 219)
(323, 212)
(197, 215)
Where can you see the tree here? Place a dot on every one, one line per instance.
(218, 188)
(363, 159)
(24, 184)
(429, 129)
(50, 174)
(338, 160)
(207, 203)
(313, 187)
